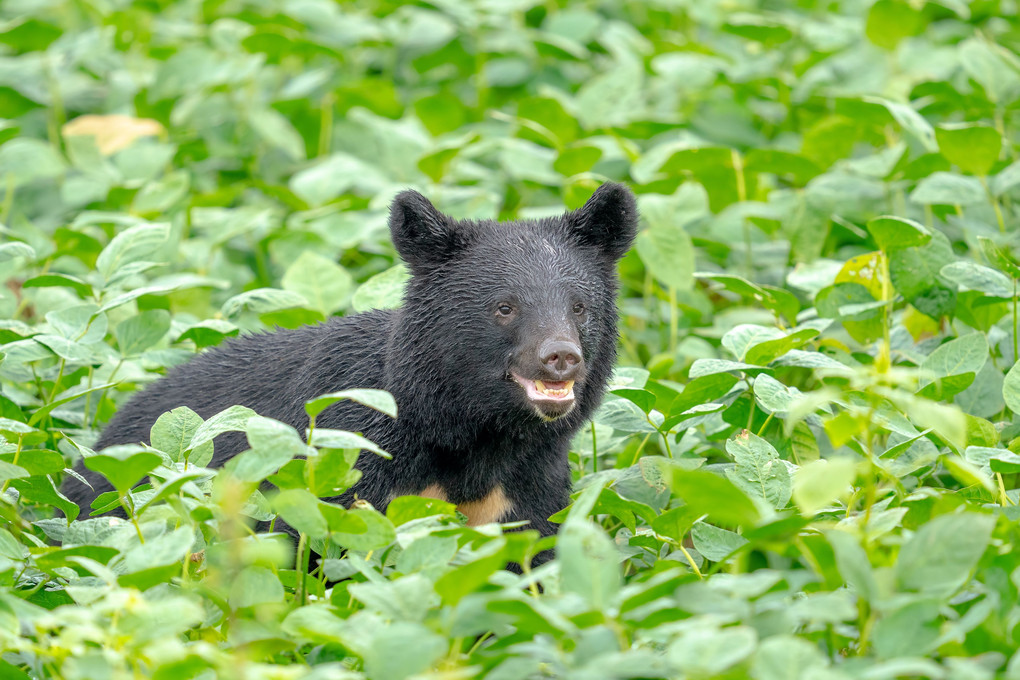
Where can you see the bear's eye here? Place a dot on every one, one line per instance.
(578, 309)
(504, 310)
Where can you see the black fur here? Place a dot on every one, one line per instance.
(446, 356)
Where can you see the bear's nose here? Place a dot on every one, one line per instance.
(561, 358)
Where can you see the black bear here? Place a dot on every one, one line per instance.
(501, 351)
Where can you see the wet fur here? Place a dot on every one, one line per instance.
(463, 425)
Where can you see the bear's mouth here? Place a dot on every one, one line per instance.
(547, 390)
(552, 398)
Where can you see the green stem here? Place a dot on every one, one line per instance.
(8, 204)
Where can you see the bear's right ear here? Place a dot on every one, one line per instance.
(423, 236)
(608, 221)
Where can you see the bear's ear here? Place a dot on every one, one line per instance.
(608, 220)
(423, 236)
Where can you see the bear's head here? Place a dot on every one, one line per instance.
(510, 321)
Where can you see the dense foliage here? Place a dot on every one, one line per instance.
(806, 467)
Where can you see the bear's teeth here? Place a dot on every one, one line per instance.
(555, 392)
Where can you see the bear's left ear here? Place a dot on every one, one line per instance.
(608, 220)
(423, 236)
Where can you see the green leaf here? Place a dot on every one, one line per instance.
(946, 188)
(820, 482)
(669, 256)
(890, 21)
(262, 300)
(233, 419)
(363, 530)
(272, 444)
(403, 509)
(319, 280)
(382, 291)
(380, 400)
(138, 333)
(785, 657)
(58, 280)
(915, 274)
(331, 472)
(403, 650)
(341, 439)
(254, 586)
(853, 564)
(995, 68)
(932, 565)
(131, 245)
(173, 431)
(966, 354)
(1011, 388)
(978, 277)
(300, 509)
(123, 466)
(759, 471)
(714, 543)
(897, 232)
(972, 147)
(9, 251)
(704, 652)
(710, 494)
(589, 563)
(276, 131)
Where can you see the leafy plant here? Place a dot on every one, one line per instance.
(807, 466)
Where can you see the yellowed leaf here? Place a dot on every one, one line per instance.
(869, 270)
(113, 132)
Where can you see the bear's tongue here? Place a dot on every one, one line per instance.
(546, 390)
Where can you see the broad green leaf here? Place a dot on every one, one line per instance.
(363, 530)
(589, 563)
(403, 509)
(276, 131)
(254, 586)
(966, 354)
(300, 509)
(932, 565)
(995, 68)
(786, 657)
(759, 471)
(173, 431)
(972, 147)
(820, 482)
(262, 300)
(9, 251)
(669, 256)
(915, 274)
(897, 232)
(382, 291)
(380, 400)
(323, 283)
(946, 188)
(715, 496)
(131, 245)
(704, 652)
(978, 277)
(138, 333)
(714, 543)
(124, 466)
(1011, 388)
(890, 21)
(853, 564)
(341, 439)
(233, 419)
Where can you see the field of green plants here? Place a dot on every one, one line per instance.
(805, 469)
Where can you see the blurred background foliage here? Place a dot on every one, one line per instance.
(806, 468)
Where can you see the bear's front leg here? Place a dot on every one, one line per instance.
(536, 495)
